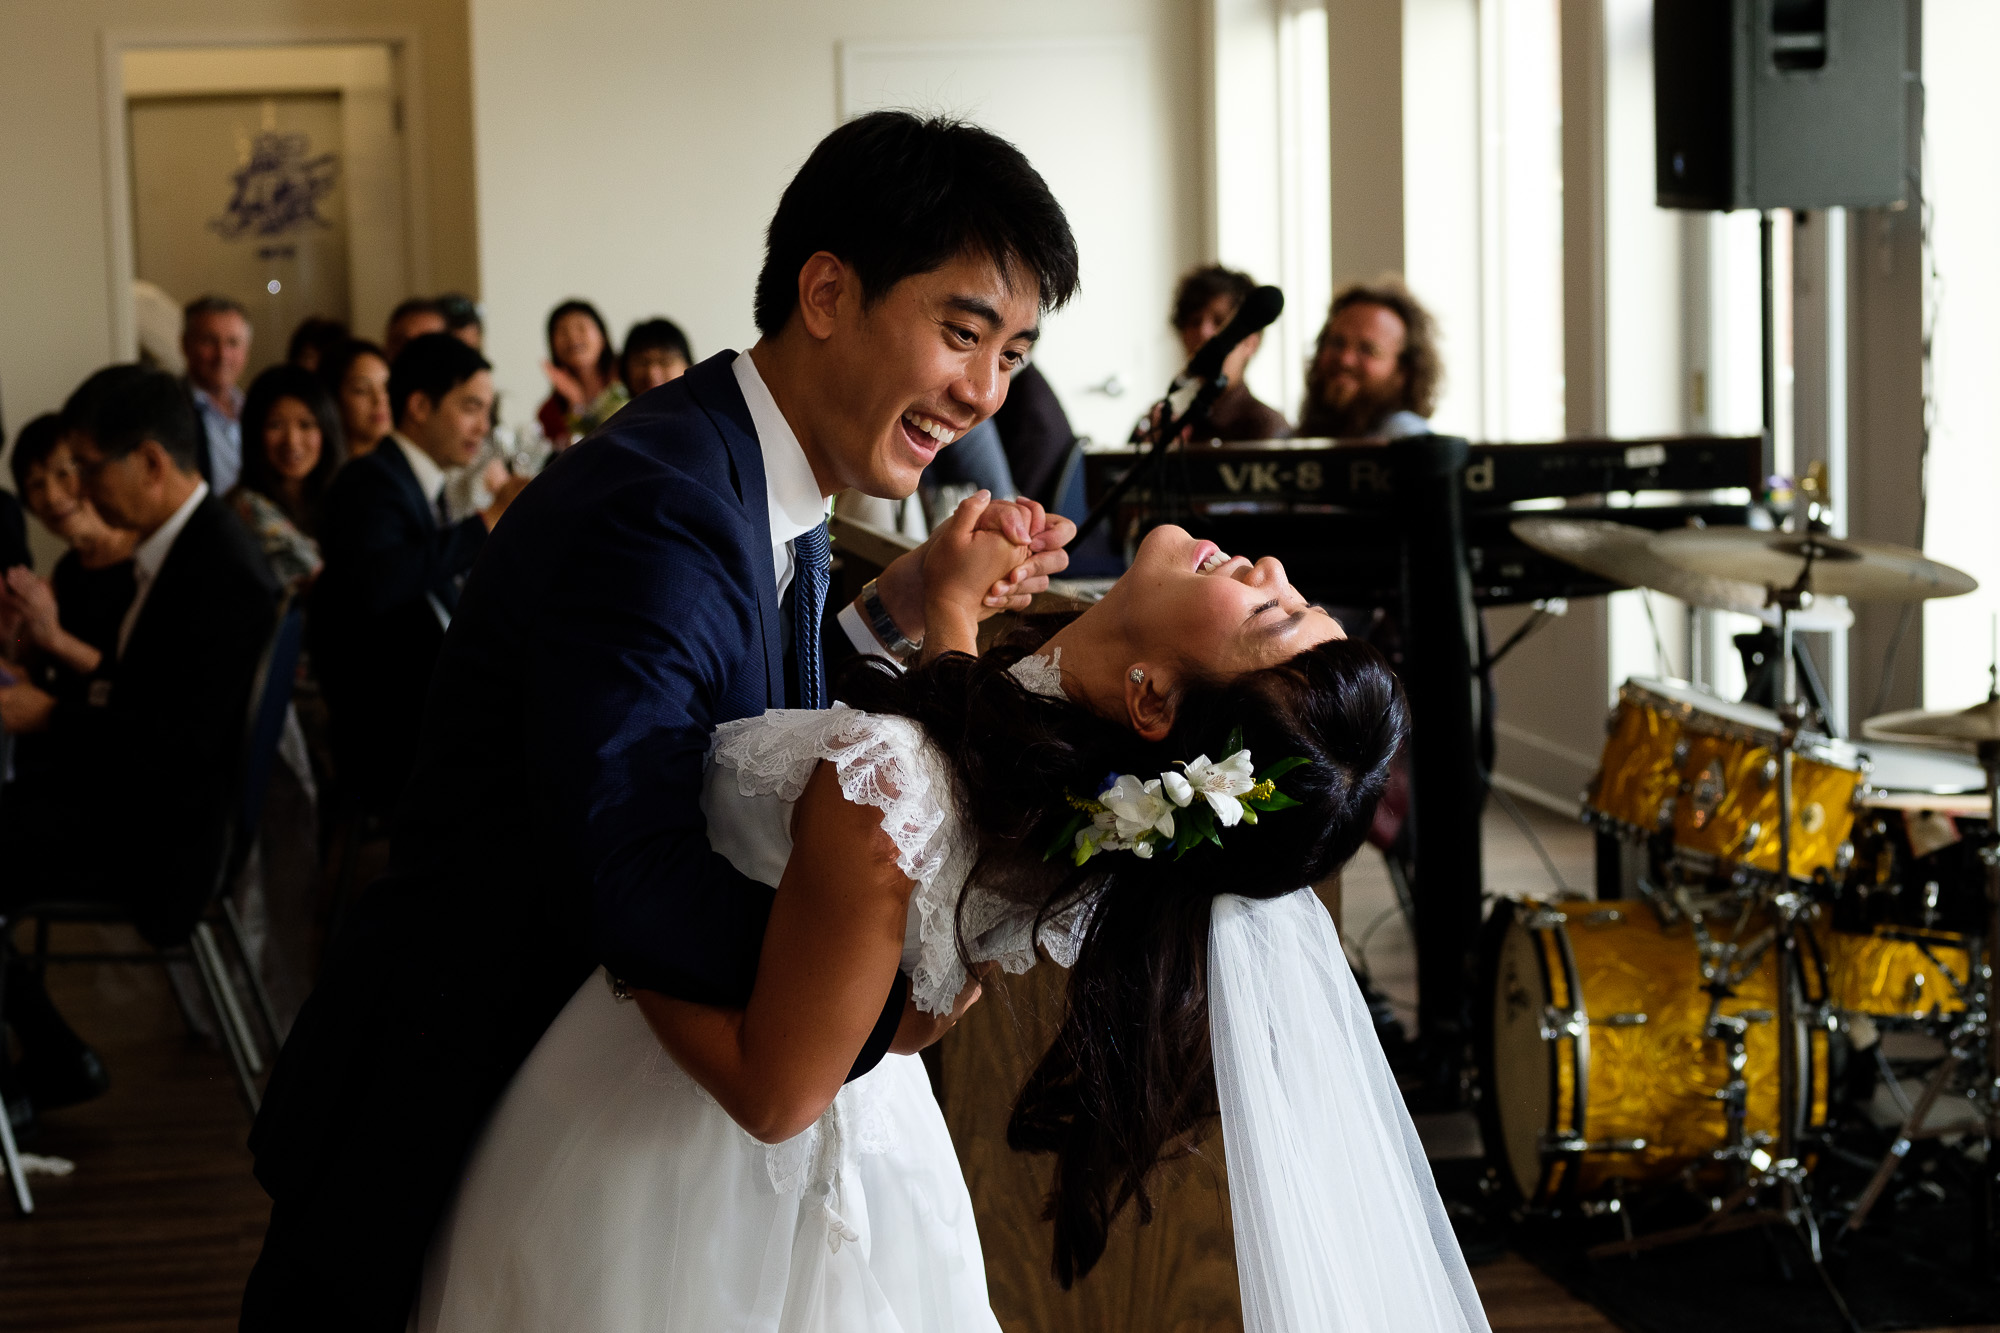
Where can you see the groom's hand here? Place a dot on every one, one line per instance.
(1025, 523)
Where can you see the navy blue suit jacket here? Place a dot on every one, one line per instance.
(622, 610)
(375, 632)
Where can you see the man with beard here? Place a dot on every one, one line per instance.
(1376, 371)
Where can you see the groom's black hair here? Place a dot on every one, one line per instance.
(895, 195)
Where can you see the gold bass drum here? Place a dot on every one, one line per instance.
(1602, 1063)
(1706, 769)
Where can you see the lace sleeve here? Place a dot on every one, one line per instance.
(882, 762)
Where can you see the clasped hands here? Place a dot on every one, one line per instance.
(989, 556)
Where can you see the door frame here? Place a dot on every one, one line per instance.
(405, 54)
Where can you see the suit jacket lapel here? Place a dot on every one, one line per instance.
(713, 385)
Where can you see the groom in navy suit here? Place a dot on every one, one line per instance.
(663, 577)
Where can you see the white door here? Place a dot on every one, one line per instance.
(1087, 113)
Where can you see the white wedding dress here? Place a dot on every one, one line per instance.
(610, 1194)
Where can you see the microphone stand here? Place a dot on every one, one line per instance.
(1164, 436)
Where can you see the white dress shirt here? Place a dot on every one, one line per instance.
(151, 554)
(790, 490)
(430, 477)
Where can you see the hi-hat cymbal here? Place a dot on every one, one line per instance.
(1867, 571)
(1976, 725)
(1624, 554)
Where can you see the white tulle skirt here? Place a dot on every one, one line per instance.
(610, 1194)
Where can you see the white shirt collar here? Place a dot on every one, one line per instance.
(150, 555)
(152, 552)
(430, 477)
(795, 502)
(229, 403)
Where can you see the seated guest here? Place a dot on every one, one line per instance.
(69, 622)
(656, 351)
(358, 377)
(1376, 371)
(411, 319)
(292, 447)
(1036, 435)
(462, 319)
(159, 727)
(394, 564)
(1204, 303)
(215, 339)
(583, 387)
(315, 341)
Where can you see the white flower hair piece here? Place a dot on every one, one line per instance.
(1180, 809)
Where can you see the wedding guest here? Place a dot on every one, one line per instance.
(70, 619)
(160, 724)
(656, 352)
(1204, 303)
(1376, 371)
(463, 319)
(13, 534)
(315, 341)
(215, 339)
(292, 449)
(394, 564)
(358, 378)
(1035, 432)
(582, 368)
(412, 318)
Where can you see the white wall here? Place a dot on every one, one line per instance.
(631, 151)
(57, 266)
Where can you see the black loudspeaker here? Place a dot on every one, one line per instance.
(1780, 103)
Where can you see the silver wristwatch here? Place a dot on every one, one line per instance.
(894, 641)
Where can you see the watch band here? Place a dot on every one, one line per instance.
(883, 626)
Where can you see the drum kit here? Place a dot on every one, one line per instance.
(1802, 897)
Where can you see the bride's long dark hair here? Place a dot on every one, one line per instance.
(1128, 1080)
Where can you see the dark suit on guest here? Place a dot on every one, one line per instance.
(624, 608)
(13, 534)
(160, 729)
(392, 575)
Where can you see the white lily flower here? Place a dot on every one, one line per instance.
(1179, 791)
(1222, 784)
(1137, 807)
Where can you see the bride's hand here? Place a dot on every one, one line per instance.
(919, 1029)
(962, 561)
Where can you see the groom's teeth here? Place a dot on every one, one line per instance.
(1215, 561)
(937, 430)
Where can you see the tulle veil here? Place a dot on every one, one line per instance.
(1339, 1226)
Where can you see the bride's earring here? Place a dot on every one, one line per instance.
(1138, 676)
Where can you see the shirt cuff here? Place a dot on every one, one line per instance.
(862, 637)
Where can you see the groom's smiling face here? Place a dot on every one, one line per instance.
(907, 373)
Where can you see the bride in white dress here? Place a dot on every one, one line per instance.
(661, 1166)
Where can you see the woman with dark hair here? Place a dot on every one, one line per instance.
(584, 389)
(291, 449)
(358, 377)
(1142, 799)
(316, 341)
(69, 621)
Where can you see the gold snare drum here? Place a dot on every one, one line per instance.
(1602, 1062)
(1707, 769)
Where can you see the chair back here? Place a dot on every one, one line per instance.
(270, 698)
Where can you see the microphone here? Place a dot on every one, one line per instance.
(1189, 396)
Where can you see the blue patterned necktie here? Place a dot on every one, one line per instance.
(811, 560)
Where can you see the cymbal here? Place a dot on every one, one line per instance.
(1976, 725)
(1867, 571)
(1624, 554)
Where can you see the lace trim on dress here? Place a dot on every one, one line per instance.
(1041, 674)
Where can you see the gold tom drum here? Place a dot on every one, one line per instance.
(1600, 1059)
(1706, 769)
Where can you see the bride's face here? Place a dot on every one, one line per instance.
(1185, 601)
